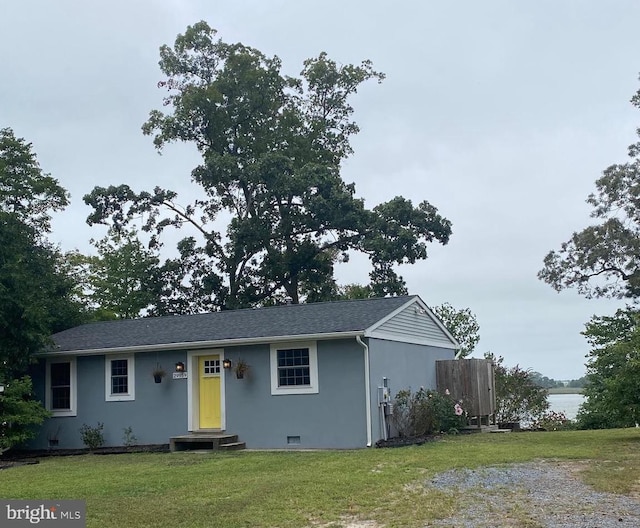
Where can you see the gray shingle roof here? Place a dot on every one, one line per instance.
(276, 321)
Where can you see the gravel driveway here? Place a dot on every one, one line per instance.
(533, 495)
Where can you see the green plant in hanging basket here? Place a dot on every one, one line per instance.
(158, 373)
(241, 368)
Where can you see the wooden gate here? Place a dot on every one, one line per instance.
(473, 382)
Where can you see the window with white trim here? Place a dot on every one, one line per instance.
(60, 387)
(294, 368)
(119, 378)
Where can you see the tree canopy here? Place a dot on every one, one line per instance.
(124, 279)
(35, 293)
(272, 147)
(603, 260)
(613, 371)
(462, 324)
(25, 190)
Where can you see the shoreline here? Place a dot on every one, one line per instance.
(566, 390)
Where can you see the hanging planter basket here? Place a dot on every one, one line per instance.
(241, 368)
(158, 374)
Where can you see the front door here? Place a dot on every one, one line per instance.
(209, 381)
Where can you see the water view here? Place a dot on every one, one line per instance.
(569, 404)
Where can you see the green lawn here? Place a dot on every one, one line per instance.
(300, 489)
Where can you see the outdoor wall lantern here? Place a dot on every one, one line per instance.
(226, 364)
(179, 366)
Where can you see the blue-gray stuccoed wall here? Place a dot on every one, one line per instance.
(335, 417)
(157, 413)
(406, 366)
(332, 418)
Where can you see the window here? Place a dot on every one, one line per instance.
(211, 366)
(294, 368)
(120, 376)
(60, 386)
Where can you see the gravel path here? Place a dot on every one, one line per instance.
(534, 495)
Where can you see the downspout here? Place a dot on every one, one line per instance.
(367, 387)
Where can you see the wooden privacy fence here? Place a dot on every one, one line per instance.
(473, 382)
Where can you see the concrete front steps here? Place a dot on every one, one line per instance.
(205, 441)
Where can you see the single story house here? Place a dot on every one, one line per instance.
(319, 375)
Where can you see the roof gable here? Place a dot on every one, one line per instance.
(413, 322)
(233, 326)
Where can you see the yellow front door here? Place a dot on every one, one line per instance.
(209, 377)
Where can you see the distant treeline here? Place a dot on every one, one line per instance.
(550, 383)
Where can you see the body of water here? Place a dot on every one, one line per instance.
(569, 404)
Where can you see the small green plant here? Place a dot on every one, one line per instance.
(92, 437)
(128, 438)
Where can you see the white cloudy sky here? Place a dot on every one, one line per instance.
(500, 113)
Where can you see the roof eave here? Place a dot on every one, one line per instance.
(198, 345)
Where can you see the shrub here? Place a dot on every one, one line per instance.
(518, 398)
(128, 437)
(92, 437)
(426, 412)
(19, 413)
(554, 421)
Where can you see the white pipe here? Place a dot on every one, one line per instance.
(367, 387)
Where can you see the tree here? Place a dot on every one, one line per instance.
(613, 372)
(603, 260)
(271, 149)
(544, 381)
(36, 295)
(462, 324)
(26, 191)
(579, 383)
(123, 280)
(355, 291)
(518, 397)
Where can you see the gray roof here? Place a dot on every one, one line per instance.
(250, 324)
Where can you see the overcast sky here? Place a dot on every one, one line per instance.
(502, 114)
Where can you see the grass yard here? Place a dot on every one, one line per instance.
(305, 489)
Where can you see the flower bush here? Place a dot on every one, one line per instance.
(427, 412)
